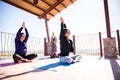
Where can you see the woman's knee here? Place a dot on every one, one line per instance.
(31, 56)
(66, 60)
(16, 58)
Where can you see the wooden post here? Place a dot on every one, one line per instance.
(44, 46)
(74, 45)
(100, 39)
(47, 30)
(107, 18)
(47, 48)
(118, 39)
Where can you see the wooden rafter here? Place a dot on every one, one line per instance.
(71, 1)
(42, 8)
(52, 7)
(63, 5)
(20, 7)
(37, 7)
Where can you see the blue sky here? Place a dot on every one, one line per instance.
(82, 17)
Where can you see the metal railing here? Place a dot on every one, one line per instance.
(90, 43)
(7, 44)
(85, 44)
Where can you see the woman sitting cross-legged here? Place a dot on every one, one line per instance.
(20, 54)
(66, 45)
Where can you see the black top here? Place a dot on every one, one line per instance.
(65, 43)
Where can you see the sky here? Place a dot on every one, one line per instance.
(82, 17)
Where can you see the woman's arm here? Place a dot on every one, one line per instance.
(27, 35)
(18, 34)
(26, 31)
(63, 26)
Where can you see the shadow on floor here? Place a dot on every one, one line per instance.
(53, 65)
(40, 69)
(19, 74)
(9, 76)
(7, 64)
(115, 68)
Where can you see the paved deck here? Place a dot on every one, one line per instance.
(44, 68)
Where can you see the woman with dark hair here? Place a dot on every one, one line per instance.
(66, 45)
(20, 54)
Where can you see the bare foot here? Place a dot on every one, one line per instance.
(28, 61)
(78, 58)
(20, 61)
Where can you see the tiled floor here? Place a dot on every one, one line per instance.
(44, 68)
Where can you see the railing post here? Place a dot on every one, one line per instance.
(74, 45)
(44, 46)
(2, 44)
(1, 52)
(100, 39)
(118, 39)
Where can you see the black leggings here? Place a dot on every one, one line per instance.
(17, 57)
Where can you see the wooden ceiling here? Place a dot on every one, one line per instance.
(41, 8)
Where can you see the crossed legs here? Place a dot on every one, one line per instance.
(72, 59)
(18, 58)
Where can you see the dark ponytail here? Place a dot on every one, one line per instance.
(65, 31)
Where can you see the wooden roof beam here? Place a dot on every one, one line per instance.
(64, 5)
(51, 5)
(71, 1)
(57, 10)
(19, 7)
(37, 7)
(34, 5)
(51, 8)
